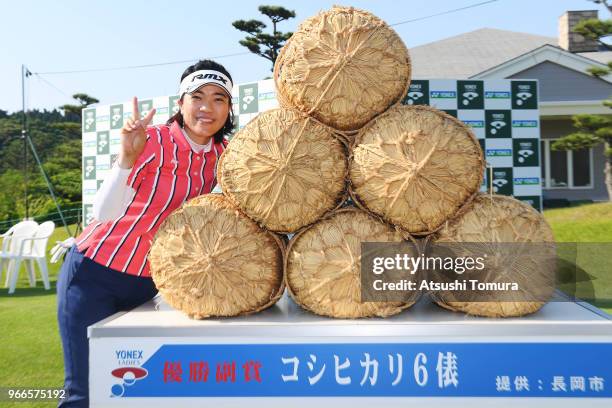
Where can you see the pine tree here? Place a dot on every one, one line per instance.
(73, 112)
(263, 44)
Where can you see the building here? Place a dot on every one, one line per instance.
(566, 88)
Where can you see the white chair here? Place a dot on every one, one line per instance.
(11, 241)
(30, 250)
(60, 248)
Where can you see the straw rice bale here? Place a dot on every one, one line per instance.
(343, 66)
(521, 248)
(209, 259)
(322, 267)
(284, 170)
(415, 167)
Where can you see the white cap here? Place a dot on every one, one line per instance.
(197, 79)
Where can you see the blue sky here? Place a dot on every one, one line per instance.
(76, 35)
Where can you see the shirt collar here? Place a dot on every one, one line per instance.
(179, 137)
(182, 140)
(198, 148)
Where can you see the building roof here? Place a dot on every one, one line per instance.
(602, 56)
(545, 54)
(469, 54)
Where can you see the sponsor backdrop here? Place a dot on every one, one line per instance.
(503, 114)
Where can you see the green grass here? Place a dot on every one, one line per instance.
(590, 226)
(584, 223)
(30, 344)
(30, 348)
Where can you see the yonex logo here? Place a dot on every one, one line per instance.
(526, 181)
(525, 123)
(89, 167)
(499, 183)
(522, 97)
(174, 105)
(499, 152)
(524, 154)
(474, 123)
(497, 95)
(103, 142)
(89, 119)
(129, 354)
(414, 96)
(497, 125)
(500, 180)
(116, 116)
(525, 151)
(469, 97)
(443, 94)
(128, 376)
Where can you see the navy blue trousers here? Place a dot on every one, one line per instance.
(88, 292)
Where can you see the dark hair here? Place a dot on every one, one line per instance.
(228, 127)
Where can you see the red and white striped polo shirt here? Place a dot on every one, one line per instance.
(166, 174)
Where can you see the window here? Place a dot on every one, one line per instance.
(581, 168)
(558, 169)
(555, 165)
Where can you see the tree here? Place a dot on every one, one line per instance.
(74, 111)
(604, 2)
(593, 129)
(64, 170)
(260, 43)
(599, 30)
(57, 140)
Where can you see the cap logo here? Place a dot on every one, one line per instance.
(197, 79)
(209, 76)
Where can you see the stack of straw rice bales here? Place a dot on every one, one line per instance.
(340, 131)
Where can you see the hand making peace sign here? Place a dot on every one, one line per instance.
(133, 137)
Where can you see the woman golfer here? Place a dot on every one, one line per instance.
(158, 168)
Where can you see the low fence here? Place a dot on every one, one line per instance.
(73, 215)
